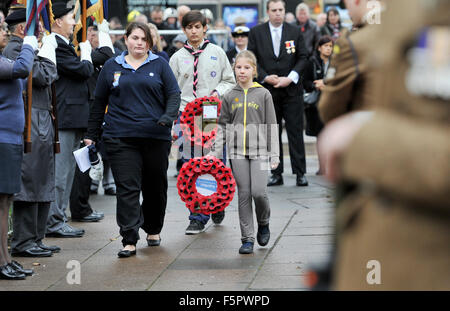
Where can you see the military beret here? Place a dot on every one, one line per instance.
(61, 8)
(241, 30)
(16, 17)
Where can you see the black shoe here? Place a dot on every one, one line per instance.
(93, 191)
(125, 253)
(34, 251)
(110, 191)
(218, 217)
(99, 214)
(246, 248)
(66, 232)
(52, 248)
(153, 242)
(93, 217)
(19, 268)
(301, 181)
(9, 273)
(263, 235)
(195, 227)
(275, 180)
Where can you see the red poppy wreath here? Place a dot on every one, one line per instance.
(190, 130)
(187, 189)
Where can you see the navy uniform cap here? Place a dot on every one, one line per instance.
(16, 17)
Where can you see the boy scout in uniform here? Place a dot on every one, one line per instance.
(393, 227)
(347, 84)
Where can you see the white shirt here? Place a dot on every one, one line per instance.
(293, 75)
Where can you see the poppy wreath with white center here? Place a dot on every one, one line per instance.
(196, 202)
(194, 109)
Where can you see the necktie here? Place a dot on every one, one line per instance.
(276, 43)
(196, 55)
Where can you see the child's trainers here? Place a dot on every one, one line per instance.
(218, 217)
(246, 248)
(195, 227)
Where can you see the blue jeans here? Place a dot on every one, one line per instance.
(194, 216)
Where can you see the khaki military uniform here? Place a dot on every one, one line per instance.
(399, 212)
(348, 80)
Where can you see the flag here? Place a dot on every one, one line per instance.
(96, 8)
(34, 9)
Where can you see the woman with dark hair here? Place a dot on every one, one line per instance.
(333, 26)
(314, 75)
(136, 99)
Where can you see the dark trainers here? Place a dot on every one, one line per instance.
(218, 217)
(263, 235)
(246, 248)
(195, 227)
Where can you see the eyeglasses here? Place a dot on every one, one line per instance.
(239, 35)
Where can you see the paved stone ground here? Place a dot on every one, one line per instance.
(301, 234)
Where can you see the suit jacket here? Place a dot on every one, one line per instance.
(72, 93)
(260, 43)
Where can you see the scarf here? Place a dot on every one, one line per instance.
(196, 55)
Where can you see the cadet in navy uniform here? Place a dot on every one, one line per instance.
(143, 99)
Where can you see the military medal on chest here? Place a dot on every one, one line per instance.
(290, 46)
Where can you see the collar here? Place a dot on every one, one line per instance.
(254, 85)
(64, 38)
(195, 49)
(121, 59)
(237, 49)
(272, 27)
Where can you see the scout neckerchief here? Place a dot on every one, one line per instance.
(196, 55)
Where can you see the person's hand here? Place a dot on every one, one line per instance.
(272, 79)
(31, 41)
(274, 162)
(50, 40)
(104, 27)
(335, 139)
(215, 94)
(283, 82)
(88, 142)
(48, 48)
(319, 84)
(86, 50)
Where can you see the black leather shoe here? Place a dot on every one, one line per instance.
(275, 180)
(263, 235)
(301, 181)
(153, 242)
(19, 268)
(110, 191)
(34, 251)
(66, 232)
(8, 273)
(99, 214)
(218, 217)
(125, 253)
(89, 218)
(52, 248)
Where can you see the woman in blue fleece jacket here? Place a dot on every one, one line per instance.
(12, 122)
(141, 97)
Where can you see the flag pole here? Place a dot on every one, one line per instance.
(29, 103)
(83, 21)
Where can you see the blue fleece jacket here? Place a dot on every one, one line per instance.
(138, 101)
(12, 118)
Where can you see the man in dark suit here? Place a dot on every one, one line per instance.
(282, 57)
(72, 98)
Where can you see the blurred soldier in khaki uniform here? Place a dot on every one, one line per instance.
(347, 84)
(393, 225)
